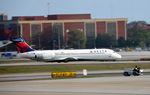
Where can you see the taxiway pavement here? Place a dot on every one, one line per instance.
(39, 76)
(71, 63)
(133, 85)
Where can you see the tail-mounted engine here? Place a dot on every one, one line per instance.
(44, 56)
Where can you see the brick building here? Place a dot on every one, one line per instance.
(30, 26)
(3, 17)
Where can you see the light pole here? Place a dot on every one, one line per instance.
(39, 41)
(67, 31)
(78, 44)
(58, 38)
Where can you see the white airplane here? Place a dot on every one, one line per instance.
(63, 55)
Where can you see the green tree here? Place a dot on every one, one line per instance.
(76, 39)
(121, 42)
(36, 40)
(46, 40)
(138, 37)
(105, 41)
(90, 42)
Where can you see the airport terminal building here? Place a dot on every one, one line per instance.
(30, 26)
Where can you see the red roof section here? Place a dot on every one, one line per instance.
(53, 17)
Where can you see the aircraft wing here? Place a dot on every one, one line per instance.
(67, 59)
(4, 43)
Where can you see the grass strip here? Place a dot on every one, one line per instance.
(68, 68)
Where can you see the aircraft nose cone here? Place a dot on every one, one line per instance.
(118, 56)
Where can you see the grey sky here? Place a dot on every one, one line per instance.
(131, 9)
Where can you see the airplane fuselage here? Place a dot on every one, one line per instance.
(71, 55)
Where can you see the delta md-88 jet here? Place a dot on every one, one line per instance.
(63, 55)
(26, 51)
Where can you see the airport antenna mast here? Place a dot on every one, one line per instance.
(48, 7)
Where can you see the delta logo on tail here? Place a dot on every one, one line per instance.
(21, 45)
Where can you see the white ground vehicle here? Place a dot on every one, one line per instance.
(129, 72)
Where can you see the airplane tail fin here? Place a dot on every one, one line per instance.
(21, 45)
